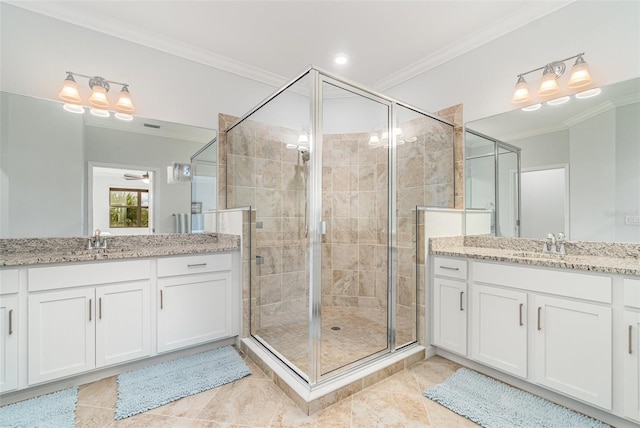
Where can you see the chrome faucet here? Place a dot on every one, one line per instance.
(554, 244)
(549, 244)
(95, 243)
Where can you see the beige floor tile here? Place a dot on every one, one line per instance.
(187, 407)
(93, 417)
(441, 417)
(247, 401)
(146, 420)
(433, 371)
(403, 382)
(102, 393)
(388, 409)
(290, 415)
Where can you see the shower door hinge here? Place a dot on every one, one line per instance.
(323, 227)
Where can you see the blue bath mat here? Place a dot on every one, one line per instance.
(159, 384)
(493, 404)
(57, 410)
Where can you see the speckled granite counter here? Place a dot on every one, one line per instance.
(605, 257)
(30, 251)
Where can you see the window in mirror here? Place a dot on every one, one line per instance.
(128, 207)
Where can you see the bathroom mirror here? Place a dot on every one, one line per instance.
(580, 161)
(47, 162)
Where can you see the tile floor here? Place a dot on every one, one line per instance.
(362, 332)
(255, 401)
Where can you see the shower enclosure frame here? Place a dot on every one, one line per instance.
(316, 225)
(497, 145)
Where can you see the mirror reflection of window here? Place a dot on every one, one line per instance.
(128, 207)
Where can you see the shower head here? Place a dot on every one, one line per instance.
(304, 152)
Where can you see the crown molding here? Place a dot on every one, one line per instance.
(64, 11)
(511, 22)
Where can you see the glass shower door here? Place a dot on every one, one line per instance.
(355, 210)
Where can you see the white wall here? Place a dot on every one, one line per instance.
(592, 176)
(627, 171)
(41, 196)
(37, 50)
(483, 79)
(545, 149)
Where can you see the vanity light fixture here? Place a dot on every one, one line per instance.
(98, 100)
(580, 77)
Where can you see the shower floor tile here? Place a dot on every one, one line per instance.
(348, 334)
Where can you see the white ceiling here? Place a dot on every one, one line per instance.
(387, 42)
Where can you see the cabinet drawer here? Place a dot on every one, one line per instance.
(171, 266)
(632, 293)
(451, 268)
(9, 281)
(83, 274)
(552, 281)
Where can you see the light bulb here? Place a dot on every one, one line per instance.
(521, 92)
(580, 75)
(125, 104)
(69, 91)
(548, 84)
(98, 97)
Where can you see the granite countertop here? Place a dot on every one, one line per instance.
(614, 258)
(33, 251)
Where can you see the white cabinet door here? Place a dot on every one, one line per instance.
(194, 309)
(123, 325)
(8, 342)
(450, 315)
(632, 365)
(61, 333)
(499, 328)
(573, 349)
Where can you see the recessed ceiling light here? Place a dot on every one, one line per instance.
(532, 108)
(558, 101)
(588, 94)
(340, 59)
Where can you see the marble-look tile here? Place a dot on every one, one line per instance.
(441, 417)
(384, 409)
(101, 393)
(93, 417)
(187, 407)
(433, 371)
(247, 401)
(289, 415)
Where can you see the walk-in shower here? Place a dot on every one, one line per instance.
(333, 175)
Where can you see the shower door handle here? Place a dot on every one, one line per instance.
(323, 227)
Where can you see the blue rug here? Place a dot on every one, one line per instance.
(57, 410)
(154, 386)
(493, 404)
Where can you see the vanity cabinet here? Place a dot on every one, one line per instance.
(566, 315)
(631, 351)
(9, 329)
(86, 316)
(450, 304)
(572, 348)
(499, 328)
(195, 300)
